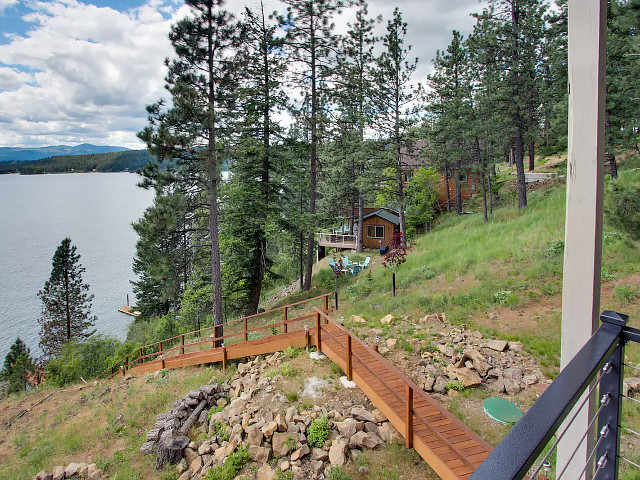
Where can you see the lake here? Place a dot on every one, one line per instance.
(36, 212)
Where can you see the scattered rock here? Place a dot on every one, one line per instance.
(358, 319)
(387, 319)
(336, 452)
(266, 472)
(497, 345)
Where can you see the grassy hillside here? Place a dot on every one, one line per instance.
(503, 277)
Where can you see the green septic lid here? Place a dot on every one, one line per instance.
(502, 410)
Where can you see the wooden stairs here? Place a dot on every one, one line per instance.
(443, 441)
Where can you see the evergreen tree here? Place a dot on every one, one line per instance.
(18, 366)
(202, 84)
(251, 195)
(311, 44)
(394, 98)
(66, 305)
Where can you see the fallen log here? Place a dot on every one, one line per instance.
(186, 426)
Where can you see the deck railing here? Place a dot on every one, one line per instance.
(333, 239)
(241, 330)
(597, 370)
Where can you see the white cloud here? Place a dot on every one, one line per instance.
(85, 73)
(6, 3)
(95, 71)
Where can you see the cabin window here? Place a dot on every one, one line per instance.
(375, 231)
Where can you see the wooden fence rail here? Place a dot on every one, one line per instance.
(159, 349)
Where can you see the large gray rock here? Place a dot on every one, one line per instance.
(362, 414)
(266, 472)
(281, 443)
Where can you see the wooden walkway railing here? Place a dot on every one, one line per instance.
(166, 352)
(445, 443)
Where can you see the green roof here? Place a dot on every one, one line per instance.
(386, 215)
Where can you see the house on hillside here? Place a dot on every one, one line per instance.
(379, 225)
(416, 156)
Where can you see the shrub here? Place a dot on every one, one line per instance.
(556, 249)
(428, 273)
(83, 359)
(231, 467)
(291, 352)
(623, 204)
(455, 385)
(286, 370)
(292, 396)
(625, 293)
(337, 473)
(318, 432)
(501, 296)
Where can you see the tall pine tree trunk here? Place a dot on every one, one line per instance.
(458, 192)
(360, 236)
(516, 76)
(212, 164)
(519, 158)
(532, 155)
(446, 186)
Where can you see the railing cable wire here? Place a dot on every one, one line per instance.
(605, 370)
(630, 398)
(629, 430)
(603, 433)
(631, 366)
(603, 403)
(628, 461)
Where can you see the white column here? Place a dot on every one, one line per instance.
(585, 183)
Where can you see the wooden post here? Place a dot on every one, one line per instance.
(318, 334)
(246, 335)
(224, 359)
(182, 344)
(111, 371)
(349, 359)
(162, 362)
(408, 418)
(326, 303)
(126, 362)
(160, 347)
(375, 348)
(141, 359)
(286, 318)
(124, 372)
(583, 225)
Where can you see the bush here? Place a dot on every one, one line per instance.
(625, 294)
(502, 296)
(231, 467)
(428, 273)
(83, 359)
(318, 432)
(623, 204)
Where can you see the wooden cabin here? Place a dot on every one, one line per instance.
(416, 157)
(379, 227)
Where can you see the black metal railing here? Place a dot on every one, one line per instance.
(597, 369)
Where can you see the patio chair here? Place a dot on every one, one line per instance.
(346, 262)
(366, 262)
(355, 269)
(332, 262)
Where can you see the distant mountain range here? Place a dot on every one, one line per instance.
(18, 154)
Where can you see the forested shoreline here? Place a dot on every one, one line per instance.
(128, 160)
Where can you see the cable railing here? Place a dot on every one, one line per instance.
(336, 239)
(240, 330)
(596, 373)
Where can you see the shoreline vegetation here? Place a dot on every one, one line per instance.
(124, 161)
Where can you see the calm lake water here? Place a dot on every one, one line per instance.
(36, 212)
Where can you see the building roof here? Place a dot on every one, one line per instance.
(386, 215)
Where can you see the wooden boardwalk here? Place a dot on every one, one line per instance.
(443, 441)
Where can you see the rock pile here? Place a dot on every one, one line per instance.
(275, 432)
(464, 356)
(73, 470)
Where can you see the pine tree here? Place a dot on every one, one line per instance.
(251, 195)
(202, 84)
(311, 44)
(18, 364)
(394, 98)
(66, 305)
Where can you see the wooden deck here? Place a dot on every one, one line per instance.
(443, 441)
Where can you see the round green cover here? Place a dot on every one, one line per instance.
(502, 410)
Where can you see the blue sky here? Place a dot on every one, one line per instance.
(75, 71)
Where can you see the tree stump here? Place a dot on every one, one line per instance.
(171, 450)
